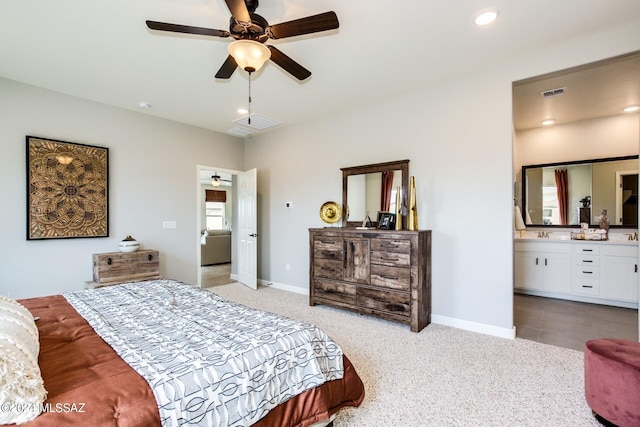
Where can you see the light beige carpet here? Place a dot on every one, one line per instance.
(441, 376)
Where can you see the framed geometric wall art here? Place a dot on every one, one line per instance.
(67, 190)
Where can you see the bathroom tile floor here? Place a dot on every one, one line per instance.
(569, 323)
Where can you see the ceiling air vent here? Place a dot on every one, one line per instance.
(553, 92)
(241, 132)
(258, 122)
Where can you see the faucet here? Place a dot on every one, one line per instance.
(542, 234)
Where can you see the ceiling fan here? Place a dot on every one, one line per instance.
(217, 180)
(245, 24)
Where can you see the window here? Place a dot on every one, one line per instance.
(550, 206)
(392, 204)
(215, 215)
(215, 209)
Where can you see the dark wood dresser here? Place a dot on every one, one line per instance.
(377, 272)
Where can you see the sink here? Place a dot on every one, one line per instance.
(559, 237)
(554, 236)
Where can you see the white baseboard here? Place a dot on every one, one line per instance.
(283, 287)
(496, 331)
(441, 320)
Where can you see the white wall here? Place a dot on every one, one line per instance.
(458, 137)
(152, 178)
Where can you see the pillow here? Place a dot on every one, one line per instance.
(21, 385)
(14, 312)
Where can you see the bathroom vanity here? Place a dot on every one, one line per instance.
(601, 272)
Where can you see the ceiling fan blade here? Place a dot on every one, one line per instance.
(288, 64)
(176, 28)
(238, 10)
(310, 24)
(227, 68)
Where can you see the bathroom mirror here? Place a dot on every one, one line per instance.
(362, 190)
(609, 184)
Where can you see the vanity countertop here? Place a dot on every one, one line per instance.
(562, 238)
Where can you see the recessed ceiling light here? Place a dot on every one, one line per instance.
(242, 111)
(548, 122)
(631, 109)
(486, 16)
(144, 105)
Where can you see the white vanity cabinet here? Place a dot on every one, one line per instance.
(620, 272)
(543, 267)
(596, 272)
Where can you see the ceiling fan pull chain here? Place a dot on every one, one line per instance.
(249, 119)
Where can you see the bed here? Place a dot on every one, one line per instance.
(177, 338)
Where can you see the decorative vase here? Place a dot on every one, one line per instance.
(398, 208)
(604, 222)
(413, 210)
(129, 244)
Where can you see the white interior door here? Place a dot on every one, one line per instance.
(248, 229)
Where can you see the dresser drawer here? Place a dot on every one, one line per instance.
(586, 260)
(393, 259)
(328, 268)
(401, 246)
(328, 247)
(341, 292)
(586, 271)
(398, 303)
(586, 249)
(391, 277)
(587, 286)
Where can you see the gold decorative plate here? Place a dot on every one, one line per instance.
(330, 212)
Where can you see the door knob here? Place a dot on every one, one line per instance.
(253, 235)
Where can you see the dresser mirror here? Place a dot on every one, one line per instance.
(592, 186)
(362, 191)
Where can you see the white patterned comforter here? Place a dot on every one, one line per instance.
(208, 361)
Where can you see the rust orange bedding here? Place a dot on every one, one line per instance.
(89, 384)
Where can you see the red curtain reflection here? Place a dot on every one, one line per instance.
(562, 185)
(387, 186)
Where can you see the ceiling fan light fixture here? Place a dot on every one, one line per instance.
(249, 55)
(215, 180)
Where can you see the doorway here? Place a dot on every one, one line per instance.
(226, 226)
(564, 322)
(217, 213)
(627, 198)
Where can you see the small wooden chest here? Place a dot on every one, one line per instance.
(113, 268)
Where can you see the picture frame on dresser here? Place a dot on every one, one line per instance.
(67, 189)
(386, 221)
